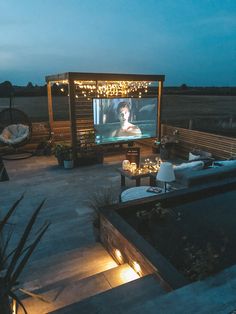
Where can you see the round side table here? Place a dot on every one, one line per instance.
(137, 192)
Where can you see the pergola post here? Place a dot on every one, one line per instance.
(72, 115)
(160, 89)
(50, 110)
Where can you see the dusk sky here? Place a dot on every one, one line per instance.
(190, 41)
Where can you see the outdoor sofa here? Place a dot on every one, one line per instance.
(197, 173)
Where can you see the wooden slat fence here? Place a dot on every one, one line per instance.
(221, 147)
(84, 121)
(61, 131)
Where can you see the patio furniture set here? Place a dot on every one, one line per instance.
(188, 174)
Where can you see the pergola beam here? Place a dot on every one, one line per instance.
(104, 77)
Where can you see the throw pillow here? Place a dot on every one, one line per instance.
(192, 156)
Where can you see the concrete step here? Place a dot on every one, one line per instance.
(215, 294)
(81, 262)
(70, 290)
(123, 298)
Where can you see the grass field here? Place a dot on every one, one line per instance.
(214, 113)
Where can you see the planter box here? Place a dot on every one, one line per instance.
(90, 158)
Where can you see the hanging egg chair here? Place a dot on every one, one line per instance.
(15, 132)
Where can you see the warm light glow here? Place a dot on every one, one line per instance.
(59, 82)
(14, 310)
(133, 167)
(137, 267)
(126, 164)
(62, 89)
(111, 88)
(127, 275)
(118, 255)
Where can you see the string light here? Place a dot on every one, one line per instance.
(137, 267)
(59, 82)
(119, 256)
(112, 88)
(108, 88)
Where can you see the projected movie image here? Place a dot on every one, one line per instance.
(124, 119)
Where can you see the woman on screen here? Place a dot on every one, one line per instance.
(126, 128)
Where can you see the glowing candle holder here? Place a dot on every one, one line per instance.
(133, 167)
(126, 165)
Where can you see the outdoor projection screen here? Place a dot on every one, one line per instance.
(124, 119)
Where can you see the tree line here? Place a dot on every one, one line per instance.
(7, 89)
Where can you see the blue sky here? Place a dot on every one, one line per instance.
(190, 41)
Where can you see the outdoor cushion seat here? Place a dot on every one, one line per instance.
(225, 163)
(14, 134)
(211, 174)
(180, 170)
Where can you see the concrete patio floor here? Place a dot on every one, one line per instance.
(69, 266)
(68, 252)
(67, 194)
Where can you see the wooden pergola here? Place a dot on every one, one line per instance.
(83, 87)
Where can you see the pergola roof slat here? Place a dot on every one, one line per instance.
(105, 77)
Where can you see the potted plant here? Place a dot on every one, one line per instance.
(14, 260)
(156, 147)
(59, 153)
(44, 148)
(68, 158)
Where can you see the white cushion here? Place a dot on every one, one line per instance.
(194, 165)
(192, 156)
(14, 134)
(181, 169)
(225, 163)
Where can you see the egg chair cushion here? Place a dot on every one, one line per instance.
(14, 134)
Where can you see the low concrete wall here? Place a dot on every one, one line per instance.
(116, 234)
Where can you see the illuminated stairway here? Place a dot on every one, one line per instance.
(119, 299)
(215, 294)
(71, 277)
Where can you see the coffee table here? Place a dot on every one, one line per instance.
(137, 177)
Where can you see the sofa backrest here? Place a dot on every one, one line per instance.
(182, 169)
(192, 178)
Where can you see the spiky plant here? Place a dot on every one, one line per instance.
(13, 262)
(103, 197)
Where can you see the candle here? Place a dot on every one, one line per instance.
(133, 167)
(125, 164)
